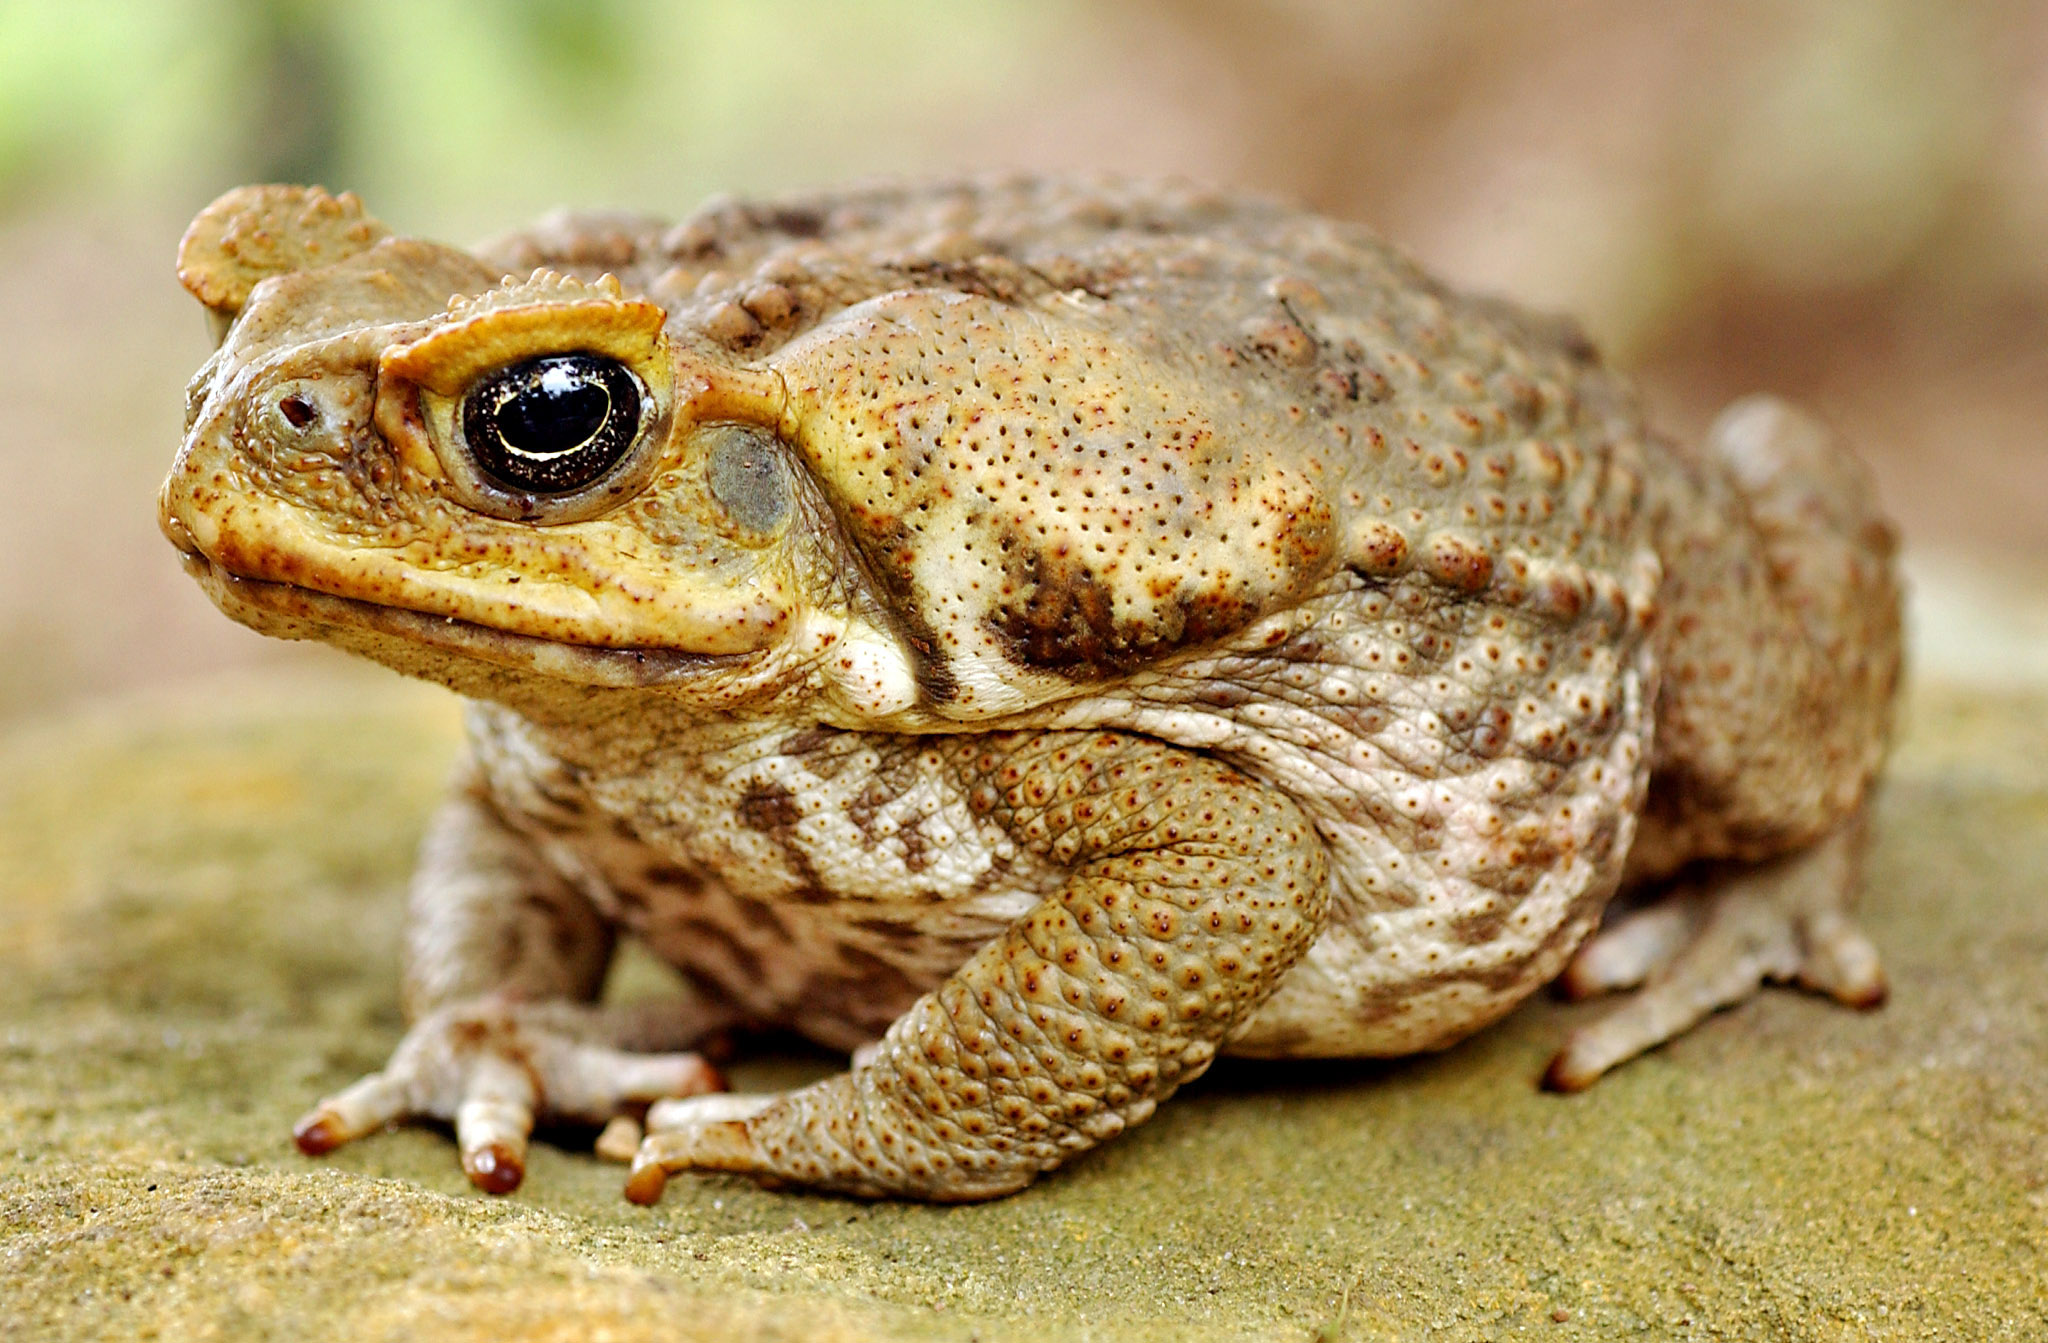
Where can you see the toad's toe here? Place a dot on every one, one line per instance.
(1703, 949)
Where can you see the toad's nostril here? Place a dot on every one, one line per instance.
(298, 411)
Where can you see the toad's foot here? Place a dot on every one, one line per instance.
(1704, 948)
(493, 1068)
(700, 1133)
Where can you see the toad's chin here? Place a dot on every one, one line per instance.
(406, 639)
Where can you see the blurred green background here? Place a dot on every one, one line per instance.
(1844, 200)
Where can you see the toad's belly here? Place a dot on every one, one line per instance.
(1348, 998)
(835, 939)
(838, 949)
(837, 971)
(834, 946)
(841, 972)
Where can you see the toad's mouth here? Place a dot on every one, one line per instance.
(286, 609)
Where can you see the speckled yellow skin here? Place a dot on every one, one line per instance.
(1168, 623)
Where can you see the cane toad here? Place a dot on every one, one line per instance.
(1034, 635)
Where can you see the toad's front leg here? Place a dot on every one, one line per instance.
(503, 959)
(1191, 890)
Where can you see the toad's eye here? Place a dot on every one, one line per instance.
(552, 425)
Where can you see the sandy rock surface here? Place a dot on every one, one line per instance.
(199, 907)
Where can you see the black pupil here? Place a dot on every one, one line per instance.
(557, 412)
(554, 424)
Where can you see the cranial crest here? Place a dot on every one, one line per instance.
(254, 233)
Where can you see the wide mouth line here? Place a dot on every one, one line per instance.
(589, 663)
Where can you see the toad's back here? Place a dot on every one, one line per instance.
(1146, 416)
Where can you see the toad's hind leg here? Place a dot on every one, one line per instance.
(1709, 945)
(1190, 891)
(1778, 681)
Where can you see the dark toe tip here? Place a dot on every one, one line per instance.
(1561, 1076)
(495, 1170)
(644, 1186)
(317, 1134)
(1570, 988)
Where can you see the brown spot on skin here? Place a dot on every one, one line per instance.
(1561, 596)
(914, 844)
(1379, 551)
(1457, 563)
(770, 809)
(1306, 539)
(1506, 976)
(1489, 735)
(906, 610)
(1064, 621)
(796, 221)
(1223, 695)
(984, 276)
(560, 792)
(1062, 618)
(1282, 340)
(868, 995)
(1478, 929)
(677, 879)
(705, 984)
(863, 808)
(1337, 384)
(562, 827)
(811, 742)
(762, 918)
(932, 674)
(634, 907)
(723, 950)
(563, 937)
(897, 933)
(469, 1033)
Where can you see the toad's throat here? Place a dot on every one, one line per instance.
(291, 611)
